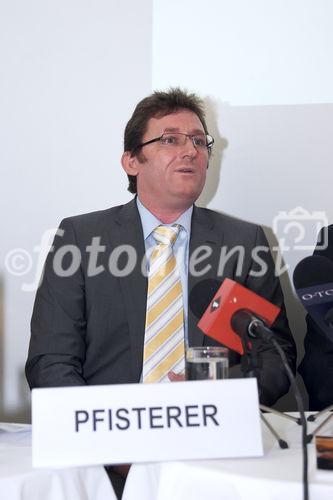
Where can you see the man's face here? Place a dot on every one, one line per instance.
(172, 177)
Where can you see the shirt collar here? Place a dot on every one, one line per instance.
(150, 222)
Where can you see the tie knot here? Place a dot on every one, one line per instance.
(166, 234)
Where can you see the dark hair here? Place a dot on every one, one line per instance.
(158, 104)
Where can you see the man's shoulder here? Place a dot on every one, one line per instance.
(227, 223)
(100, 217)
(95, 217)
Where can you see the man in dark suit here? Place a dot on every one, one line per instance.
(88, 324)
(316, 367)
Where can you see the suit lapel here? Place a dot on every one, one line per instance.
(203, 234)
(134, 286)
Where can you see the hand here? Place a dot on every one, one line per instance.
(175, 377)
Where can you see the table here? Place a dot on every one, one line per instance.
(276, 475)
(19, 481)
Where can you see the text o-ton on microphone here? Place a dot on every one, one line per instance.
(313, 282)
(219, 320)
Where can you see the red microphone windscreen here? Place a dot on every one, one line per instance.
(231, 297)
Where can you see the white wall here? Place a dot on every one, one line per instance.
(71, 73)
(257, 52)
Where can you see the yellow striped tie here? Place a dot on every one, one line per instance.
(164, 333)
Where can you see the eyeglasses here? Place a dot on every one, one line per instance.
(176, 139)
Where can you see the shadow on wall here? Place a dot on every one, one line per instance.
(22, 414)
(216, 159)
(296, 316)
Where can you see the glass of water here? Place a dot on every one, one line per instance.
(206, 363)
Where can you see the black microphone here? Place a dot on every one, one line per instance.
(313, 281)
(202, 294)
(245, 322)
(328, 318)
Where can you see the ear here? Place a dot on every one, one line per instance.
(130, 163)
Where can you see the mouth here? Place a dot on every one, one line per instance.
(185, 170)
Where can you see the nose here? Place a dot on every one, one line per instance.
(189, 149)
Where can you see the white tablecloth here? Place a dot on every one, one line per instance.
(275, 476)
(19, 481)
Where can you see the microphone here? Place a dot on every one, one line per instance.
(313, 281)
(244, 322)
(233, 314)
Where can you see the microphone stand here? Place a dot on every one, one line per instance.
(282, 443)
(297, 420)
(313, 418)
(250, 326)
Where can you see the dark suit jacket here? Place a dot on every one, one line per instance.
(316, 367)
(90, 330)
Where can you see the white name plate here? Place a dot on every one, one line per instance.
(112, 424)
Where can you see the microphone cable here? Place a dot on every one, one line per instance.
(269, 336)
